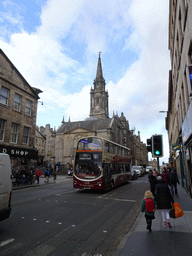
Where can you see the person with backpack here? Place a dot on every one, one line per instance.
(47, 174)
(148, 207)
(164, 200)
(172, 181)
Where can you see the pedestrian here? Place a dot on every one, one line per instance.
(38, 175)
(18, 177)
(172, 181)
(148, 207)
(31, 175)
(47, 174)
(164, 200)
(54, 174)
(165, 175)
(153, 181)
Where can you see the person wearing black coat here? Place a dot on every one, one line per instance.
(172, 181)
(164, 200)
(153, 181)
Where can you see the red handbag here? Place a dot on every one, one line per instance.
(178, 210)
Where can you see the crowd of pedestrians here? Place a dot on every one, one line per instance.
(163, 188)
(24, 176)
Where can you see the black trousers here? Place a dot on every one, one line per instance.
(149, 221)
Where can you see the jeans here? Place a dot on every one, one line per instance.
(172, 190)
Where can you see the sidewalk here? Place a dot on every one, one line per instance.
(176, 241)
(41, 182)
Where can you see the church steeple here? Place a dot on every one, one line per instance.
(99, 75)
(99, 97)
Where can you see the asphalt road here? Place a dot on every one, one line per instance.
(57, 219)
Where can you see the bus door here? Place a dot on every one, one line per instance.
(106, 175)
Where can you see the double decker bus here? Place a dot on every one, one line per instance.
(100, 164)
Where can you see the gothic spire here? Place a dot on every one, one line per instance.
(99, 75)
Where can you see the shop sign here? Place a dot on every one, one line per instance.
(176, 147)
(19, 152)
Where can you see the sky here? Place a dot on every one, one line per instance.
(55, 45)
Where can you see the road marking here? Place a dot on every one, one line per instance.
(123, 200)
(101, 197)
(60, 194)
(126, 200)
(6, 242)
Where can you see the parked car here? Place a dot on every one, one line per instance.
(5, 186)
(139, 170)
(134, 174)
(148, 168)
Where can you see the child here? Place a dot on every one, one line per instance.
(148, 206)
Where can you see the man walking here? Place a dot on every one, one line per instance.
(172, 181)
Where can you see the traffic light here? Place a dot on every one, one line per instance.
(149, 145)
(157, 146)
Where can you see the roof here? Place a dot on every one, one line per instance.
(33, 89)
(91, 125)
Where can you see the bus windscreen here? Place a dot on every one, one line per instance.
(88, 163)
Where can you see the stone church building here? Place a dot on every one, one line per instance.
(62, 143)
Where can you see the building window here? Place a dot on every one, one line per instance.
(2, 129)
(36, 140)
(26, 135)
(15, 129)
(28, 107)
(4, 95)
(190, 52)
(17, 102)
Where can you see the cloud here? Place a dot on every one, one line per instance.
(45, 57)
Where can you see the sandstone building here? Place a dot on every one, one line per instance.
(18, 111)
(61, 144)
(179, 114)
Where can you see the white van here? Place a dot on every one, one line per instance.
(5, 186)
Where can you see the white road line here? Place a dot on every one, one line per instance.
(60, 194)
(6, 242)
(126, 200)
(116, 199)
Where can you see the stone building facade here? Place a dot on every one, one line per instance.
(49, 148)
(18, 111)
(179, 114)
(64, 140)
(40, 144)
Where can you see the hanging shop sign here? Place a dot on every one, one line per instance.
(19, 152)
(187, 126)
(176, 147)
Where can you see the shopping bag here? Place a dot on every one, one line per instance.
(178, 210)
(172, 213)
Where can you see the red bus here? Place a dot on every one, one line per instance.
(100, 164)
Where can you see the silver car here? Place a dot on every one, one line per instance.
(139, 170)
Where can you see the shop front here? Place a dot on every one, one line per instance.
(187, 142)
(20, 157)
